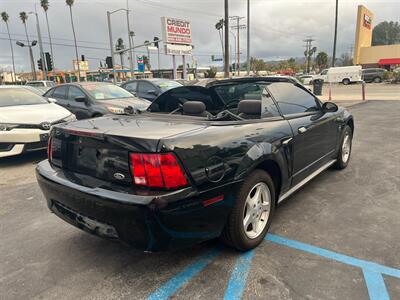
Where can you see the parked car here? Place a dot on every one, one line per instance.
(345, 75)
(94, 99)
(306, 79)
(202, 162)
(149, 89)
(373, 75)
(25, 120)
(44, 84)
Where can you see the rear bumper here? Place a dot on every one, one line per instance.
(151, 223)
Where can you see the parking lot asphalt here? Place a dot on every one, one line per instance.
(337, 238)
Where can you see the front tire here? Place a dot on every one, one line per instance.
(251, 216)
(346, 81)
(377, 80)
(344, 153)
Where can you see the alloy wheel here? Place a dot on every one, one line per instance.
(257, 210)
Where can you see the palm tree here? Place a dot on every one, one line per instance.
(5, 18)
(45, 5)
(24, 17)
(70, 3)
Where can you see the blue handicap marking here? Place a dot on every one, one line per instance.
(237, 282)
(176, 282)
(236, 285)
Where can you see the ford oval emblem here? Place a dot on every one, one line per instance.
(119, 176)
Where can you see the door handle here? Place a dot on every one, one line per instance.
(302, 130)
(286, 141)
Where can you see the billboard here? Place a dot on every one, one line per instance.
(83, 65)
(176, 31)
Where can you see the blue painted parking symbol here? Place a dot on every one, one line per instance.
(372, 271)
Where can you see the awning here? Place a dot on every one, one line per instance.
(389, 61)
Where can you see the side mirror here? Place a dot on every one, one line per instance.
(329, 107)
(82, 99)
(52, 100)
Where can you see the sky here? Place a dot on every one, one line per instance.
(277, 27)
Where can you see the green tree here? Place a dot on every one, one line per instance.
(211, 73)
(45, 5)
(257, 65)
(386, 33)
(120, 46)
(321, 60)
(5, 18)
(70, 3)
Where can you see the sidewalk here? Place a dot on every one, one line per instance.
(351, 94)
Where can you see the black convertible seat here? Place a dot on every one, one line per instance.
(249, 109)
(195, 108)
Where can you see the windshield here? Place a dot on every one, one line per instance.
(165, 85)
(20, 96)
(106, 91)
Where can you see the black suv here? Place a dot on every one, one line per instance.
(373, 75)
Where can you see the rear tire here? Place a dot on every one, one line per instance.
(254, 204)
(346, 81)
(344, 153)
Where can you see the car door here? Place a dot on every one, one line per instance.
(60, 95)
(146, 90)
(80, 109)
(314, 132)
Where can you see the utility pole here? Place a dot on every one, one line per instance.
(130, 43)
(226, 52)
(308, 52)
(248, 37)
(40, 42)
(335, 37)
(238, 27)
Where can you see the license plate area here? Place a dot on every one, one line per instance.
(44, 138)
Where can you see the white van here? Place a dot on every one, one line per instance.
(343, 75)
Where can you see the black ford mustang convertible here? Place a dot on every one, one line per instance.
(202, 162)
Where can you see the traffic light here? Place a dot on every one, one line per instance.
(49, 62)
(82, 57)
(156, 41)
(109, 62)
(40, 64)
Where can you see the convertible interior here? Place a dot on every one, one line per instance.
(220, 103)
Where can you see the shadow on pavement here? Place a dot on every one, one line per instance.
(30, 157)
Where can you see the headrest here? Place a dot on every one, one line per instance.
(250, 107)
(194, 108)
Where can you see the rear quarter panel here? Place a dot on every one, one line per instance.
(219, 155)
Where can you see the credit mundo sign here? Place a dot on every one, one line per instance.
(176, 31)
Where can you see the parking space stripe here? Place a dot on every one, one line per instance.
(237, 281)
(176, 282)
(365, 265)
(375, 285)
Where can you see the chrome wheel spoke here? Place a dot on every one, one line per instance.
(256, 213)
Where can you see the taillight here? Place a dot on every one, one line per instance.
(157, 171)
(50, 149)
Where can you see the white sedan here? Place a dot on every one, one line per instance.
(26, 119)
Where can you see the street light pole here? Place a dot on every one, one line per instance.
(335, 37)
(248, 37)
(130, 44)
(226, 20)
(111, 44)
